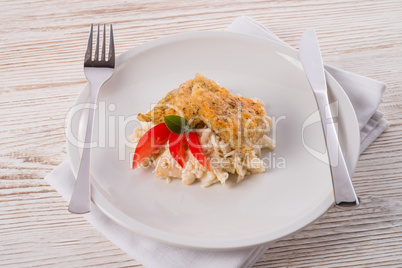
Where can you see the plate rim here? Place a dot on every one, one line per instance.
(175, 239)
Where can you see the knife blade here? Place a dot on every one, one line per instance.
(310, 57)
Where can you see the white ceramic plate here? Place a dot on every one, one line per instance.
(261, 209)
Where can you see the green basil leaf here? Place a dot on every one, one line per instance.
(176, 124)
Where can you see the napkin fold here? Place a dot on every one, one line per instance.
(365, 95)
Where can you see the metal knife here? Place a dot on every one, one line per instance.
(310, 57)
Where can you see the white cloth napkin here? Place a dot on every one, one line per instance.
(365, 95)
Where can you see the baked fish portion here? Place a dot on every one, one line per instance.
(240, 122)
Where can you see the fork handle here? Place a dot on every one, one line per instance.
(80, 201)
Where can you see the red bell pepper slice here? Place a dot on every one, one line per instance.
(196, 150)
(176, 148)
(150, 142)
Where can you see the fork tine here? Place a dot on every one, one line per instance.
(111, 47)
(88, 54)
(97, 46)
(103, 56)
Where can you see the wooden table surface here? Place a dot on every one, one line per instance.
(42, 44)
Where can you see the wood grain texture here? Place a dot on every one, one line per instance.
(41, 51)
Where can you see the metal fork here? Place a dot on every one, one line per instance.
(97, 72)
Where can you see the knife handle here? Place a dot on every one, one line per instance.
(345, 194)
